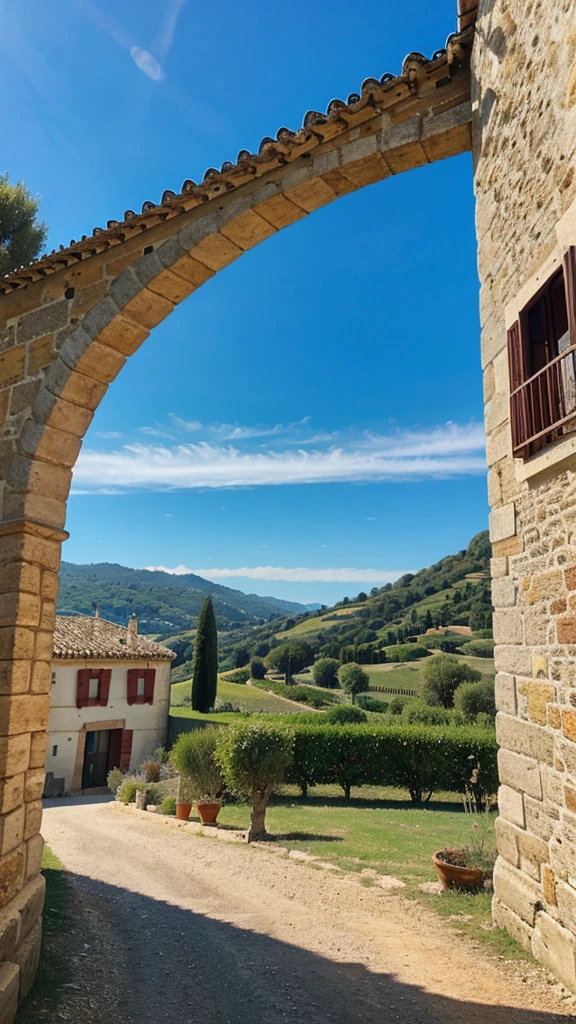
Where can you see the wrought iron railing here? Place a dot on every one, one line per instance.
(544, 404)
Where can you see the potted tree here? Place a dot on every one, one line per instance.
(201, 778)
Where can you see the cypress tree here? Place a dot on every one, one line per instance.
(205, 667)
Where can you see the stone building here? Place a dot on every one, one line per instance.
(504, 87)
(109, 702)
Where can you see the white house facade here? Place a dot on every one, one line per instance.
(109, 702)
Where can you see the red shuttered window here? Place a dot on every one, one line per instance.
(140, 685)
(93, 687)
(126, 749)
(542, 364)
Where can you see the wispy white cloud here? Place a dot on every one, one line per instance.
(109, 435)
(156, 432)
(144, 60)
(189, 426)
(453, 450)
(302, 574)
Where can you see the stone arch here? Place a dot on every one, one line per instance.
(69, 322)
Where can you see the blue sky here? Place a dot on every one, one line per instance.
(308, 424)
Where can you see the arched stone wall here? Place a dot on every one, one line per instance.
(68, 324)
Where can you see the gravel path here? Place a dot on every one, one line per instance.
(178, 927)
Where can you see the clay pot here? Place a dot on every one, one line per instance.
(453, 876)
(208, 812)
(183, 811)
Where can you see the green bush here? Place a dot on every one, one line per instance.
(193, 756)
(418, 758)
(406, 652)
(353, 678)
(168, 806)
(479, 648)
(239, 675)
(442, 676)
(368, 703)
(417, 712)
(302, 694)
(346, 714)
(126, 792)
(473, 699)
(114, 779)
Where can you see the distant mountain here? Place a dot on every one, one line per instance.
(162, 602)
(312, 607)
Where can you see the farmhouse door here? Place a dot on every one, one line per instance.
(96, 759)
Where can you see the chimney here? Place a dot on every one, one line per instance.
(132, 630)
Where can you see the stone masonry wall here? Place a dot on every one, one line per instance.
(524, 129)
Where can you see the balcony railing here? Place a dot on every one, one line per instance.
(544, 404)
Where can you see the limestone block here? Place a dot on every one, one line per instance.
(533, 853)
(23, 713)
(34, 784)
(513, 659)
(11, 793)
(506, 841)
(12, 830)
(511, 805)
(539, 666)
(519, 772)
(569, 724)
(279, 211)
(507, 625)
(496, 411)
(38, 745)
(15, 753)
(12, 365)
(536, 625)
(539, 695)
(498, 446)
(27, 957)
(498, 568)
(9, 932)
(566, 629)
(541, 818)
(518, 892)
(552, 784)
(545, 585)
(570, 577)
(34, 850)
(556, 947)
(11, 875)
(514, 925)
(29, 904)
(9, 991)
(562, 848)
(215, 252)
(247, 229)
(549, 885)
(503, 522)
(525, 738)
(566, 902)
(14, 676)
(504, 592)
(33, 818)
(505, 689)
(310, 195)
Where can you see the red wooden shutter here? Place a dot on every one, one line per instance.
(132, 685)
(570, 286)
(82, 687)
(126, 749)
(515, 357)
(518, 402)
(104, 688)
(149, 686)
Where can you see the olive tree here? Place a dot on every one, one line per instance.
(325, 672)
(254, 759)
(353, 679)
(442, 676)
(290, 657)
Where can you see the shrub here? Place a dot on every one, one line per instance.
(151, 771)
(168, 806)
(368, 703)
(114, 779)
(346, 714)
(353, 679)
(325, 672)
(418, 758)
(226, 705)
(240, 675)
(406, 652)
(417, 712)
(254, 759)
(291, 657)
(257, 669)
(193, 756)
(442, 676)
(473, 699)
(484, 634)
(397, 704)
(126, 792)
(479, 648)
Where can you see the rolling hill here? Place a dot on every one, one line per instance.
(163, 603)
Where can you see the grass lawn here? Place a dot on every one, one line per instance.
(383, 832)
(408, 675)
(249, 698)
(53, 971)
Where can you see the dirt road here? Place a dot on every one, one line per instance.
(177, 927)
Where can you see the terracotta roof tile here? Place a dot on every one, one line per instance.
(82, 636)
(375, 95)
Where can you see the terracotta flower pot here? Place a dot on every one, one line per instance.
(208, 812)
(183, 811)
(453, 876)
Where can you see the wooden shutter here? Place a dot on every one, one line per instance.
(570, 286)
(104, 688)
(115, 750)
(132, 685)
(82, 687)
(149, 686)
(518, 402)
(515, 356)
(126, 749)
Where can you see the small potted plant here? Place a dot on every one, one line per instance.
(184, 799)
(469, 868)
(200, 776)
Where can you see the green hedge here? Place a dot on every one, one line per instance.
(418, 758)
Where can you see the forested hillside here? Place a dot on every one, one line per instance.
(163, 603)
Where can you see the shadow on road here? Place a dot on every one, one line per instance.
(136, 960)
